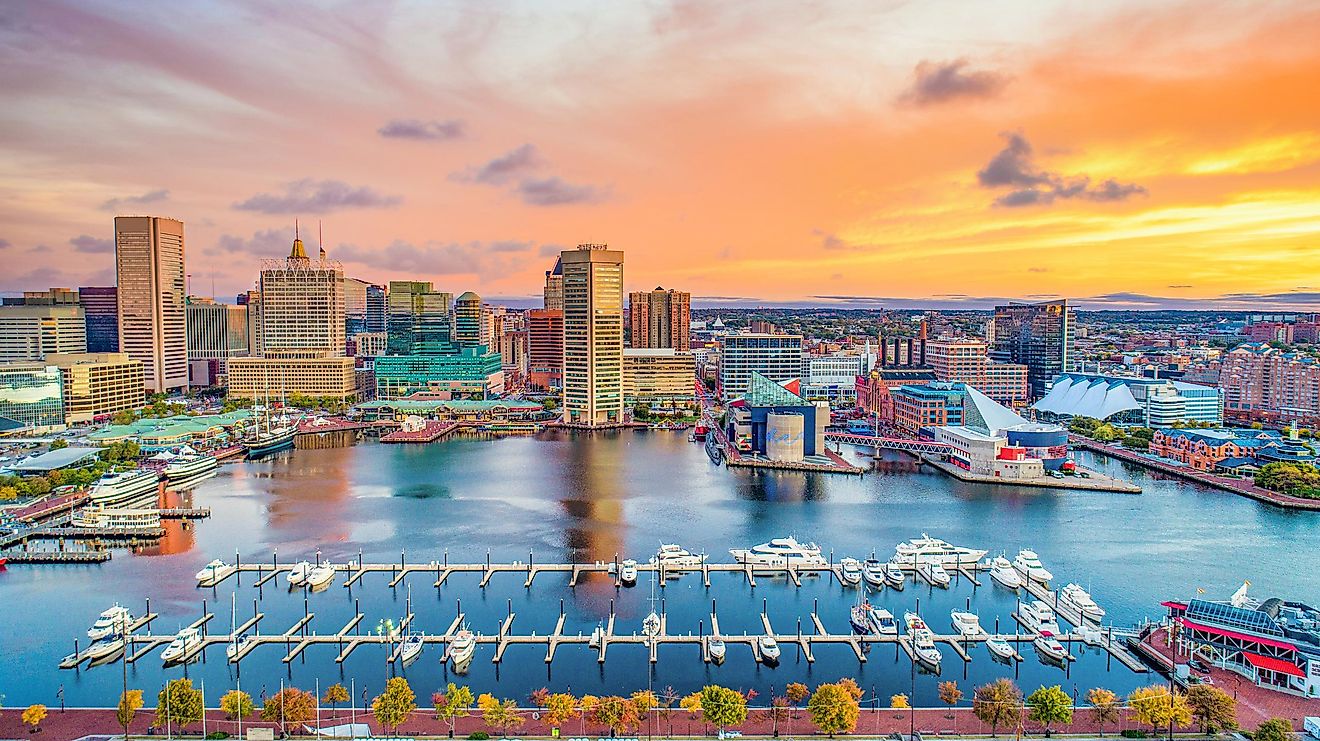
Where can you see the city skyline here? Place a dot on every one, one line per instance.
(1124, 156)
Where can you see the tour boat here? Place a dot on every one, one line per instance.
(628, 573)
(927, 548)
(850, 572)
(1080, 599)
(111, 622)
(675, 558)
(211, 570)
(717, 649)
(461, 650)
(1039, 617)
(873, 571)
(116, 488)
(1002, 571)
(297, 576)
(597, 636)
(769, 649)
(935, 574)
(780, 553)
(187, 466)
(104, 647)
(187, 640)
(968, 624)
(894, 576)
(1000, 649)
(1050, 648)
(100, 517)
(923, 641)
(321, 575)
(410, 649)
(1029, 563)
(238, 644)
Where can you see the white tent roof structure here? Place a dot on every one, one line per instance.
(1087, 397)
(982, 412)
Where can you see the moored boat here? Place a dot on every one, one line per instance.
(873, 571)
(781, 553)
(410, 649)
(1039, 617)
(717, 649)
(102, 517)
(111, 622)
(935, 574)
(1080, 600)
(628, 573)
(894, 576)
(321, 575)
(237, 645)
(1002, 571)
(120, 487)
(461, 650)
(926, 548)
(211, 571)
(769, 649)
(188, 466)
(1049, 648)
(1029, 563)
(850, 572)
(297, 575)
(674, 557)
(968, 624)
(183, 643)
(1000, 649)
(923, 641)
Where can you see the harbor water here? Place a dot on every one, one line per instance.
(564, 497)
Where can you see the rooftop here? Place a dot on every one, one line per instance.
(56, 459)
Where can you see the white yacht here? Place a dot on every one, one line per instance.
(100, 516)
(881, 621)
(321, 575)
(927, 548)
(238, 644)
(1029, 563)
(1049, 647)
(597, 636)
(1002, 571)
(1000, 649)
(781, 552)
(873, 571)
(935, 574)
(461, 650)
(1091, 635)
(1039, 617)
(209, 572)
(116, 488)
(410, 649)
(850, 572)
(1080, 599)
(676, 558)
(717, 649)
(187, 640)
(104, 647)
(923, 641)
(628, 573)
(297, 576)
(187, 466)
(894, 576)
(113, 621)
(769, 649)
(968, 624)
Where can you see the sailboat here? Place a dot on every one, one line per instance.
(269, 438)
(651, 625)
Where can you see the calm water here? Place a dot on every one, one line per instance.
(567, 497)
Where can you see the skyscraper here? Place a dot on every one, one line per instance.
(355, 305)
(216, 333)
(101, 308)
(554, 286)
(375, 319)
(467, 320)
(149, 269)
(545, 348)
(660, 318)
(1038, 336)
(593, 335)
(419, 319)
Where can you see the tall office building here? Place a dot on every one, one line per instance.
(965, 361)
(660, 318)
(593, 335)
(1038, 336)
(355, 305)
(545, 348)
(775, 356)
(149, 268)
(467, 320)
(31, 332)
(216, 333)
(101, 308)
(419, 320)
(553, 295)
(376, 301)
(96, 385)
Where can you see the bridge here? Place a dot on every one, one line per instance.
(919, 447)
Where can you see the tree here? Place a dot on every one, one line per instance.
(796, 692)
(178, 704)
(1157, 707)
(781, 709)
(996, 702)
(236, 704)
(539, 696)
(644, 701)
(1274, 729)
(130, 701)
(834, 709)
(501, 715)
(1050, 705)
(950, 694)
(393, 706)
(722, 707)
(1104, 707)
(899, 702)
(289, 705)
(335, 694)
(455, 703)
(1214, 708)
(59, 443)
(33, 716)
(559, 708)
(615, 713)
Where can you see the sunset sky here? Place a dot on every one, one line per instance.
(867, 153)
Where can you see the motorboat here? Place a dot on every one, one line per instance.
(881, 621)
(1081, 600)
(1002, 571)
(1000, 649)
(716, 648)
(935, 574)
(1090, 635)
(781, 553)
(103, 647)
(1049, 647)
(968, 624)
(122, 486)
(461, 650)
(850, 572)
(113, 621)
(873, 571)
(101, 517)
(769, 649)
(410, 649)
(183, 643)
(927, 548)
(923, 641)
(1039, 617)
(651, 625)
(674, 557)
(297, 575)
(597, 636)
(321, 575)
(1029, 563)
(209, 572)
(628, 573)
(895, 578)
(187, 466)
(237, 645)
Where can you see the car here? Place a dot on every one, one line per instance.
(1199, 666)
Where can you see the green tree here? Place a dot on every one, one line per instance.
(1050, 705)
(59, 443)
(393, 706)
(1157, 707)
(236, 704)
(1274, 729)
(178, 704)
(455, 703)
(997, 702)
(130, 701)
(1215, 709)
(833, 709)
(289, 705)
(722, 707)
(1104, 707)
(335, 694)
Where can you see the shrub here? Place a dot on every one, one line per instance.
(478, 736)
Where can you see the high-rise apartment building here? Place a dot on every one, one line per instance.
(1264, 384)
(775, 356)
(419, 320)
(31, 332)
(467, 320)
(593, 335)
(965, 360)
(31, 395)
(101, 309)
(1038, 336)
(553, 294)
(660, 318)
(545, 348)
(149, 269)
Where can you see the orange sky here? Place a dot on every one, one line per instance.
(823, 152)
